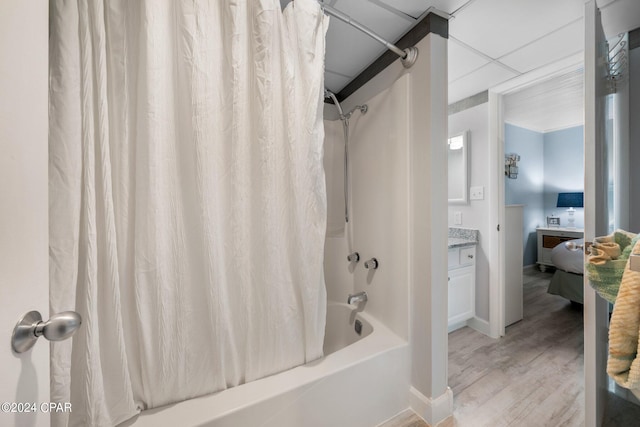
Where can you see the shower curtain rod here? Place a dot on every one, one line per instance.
(408, 56)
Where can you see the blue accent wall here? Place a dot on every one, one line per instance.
(528, 188)
(550, 163)
(563, 170)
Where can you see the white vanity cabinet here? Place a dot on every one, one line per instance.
(462, 285)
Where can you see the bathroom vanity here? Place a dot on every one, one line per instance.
(461, 276)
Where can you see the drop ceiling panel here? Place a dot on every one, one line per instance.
(603, 3)
(348, 51)
(498, 27)
(411, 8)
(416, 8)
(479, 80)
(620, 16)
(462, 60)
(553, 47)
(381, 20)
(335, 82)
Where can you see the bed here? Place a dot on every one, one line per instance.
(568, 280)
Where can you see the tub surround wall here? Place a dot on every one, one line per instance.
(378, 158)
(334, 176)
(399, 216)
(476, 214)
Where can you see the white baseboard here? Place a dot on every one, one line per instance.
(479, 325)
(456, 326)
(476, 323)
(433, 411)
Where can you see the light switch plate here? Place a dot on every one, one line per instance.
(457, 218)
(477, 193)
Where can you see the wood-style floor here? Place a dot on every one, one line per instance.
(533, 376)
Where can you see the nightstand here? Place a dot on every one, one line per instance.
(549, 238)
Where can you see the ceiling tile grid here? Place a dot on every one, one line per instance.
(498, 27)
(550, 48)
(485, 77)
(349, 51)
(416, 8)
(491, 41)
(462, 60)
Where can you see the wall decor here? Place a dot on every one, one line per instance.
(511, 165)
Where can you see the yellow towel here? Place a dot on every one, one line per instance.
(624, 330)
(603, 252)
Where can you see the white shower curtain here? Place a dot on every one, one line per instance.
(187, 198)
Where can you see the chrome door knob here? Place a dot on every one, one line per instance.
(60, 326)
(30, 327)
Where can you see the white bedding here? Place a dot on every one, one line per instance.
(568, 260)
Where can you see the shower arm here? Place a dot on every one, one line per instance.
(408, 56)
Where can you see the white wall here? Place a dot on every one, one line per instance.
(475, 214)
(403, 214)
(24, 275)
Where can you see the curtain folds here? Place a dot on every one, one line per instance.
(187, 198)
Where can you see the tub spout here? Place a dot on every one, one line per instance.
(357, 298)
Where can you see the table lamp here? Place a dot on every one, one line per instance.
(571, 201)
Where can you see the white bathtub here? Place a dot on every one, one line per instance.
(361, 381)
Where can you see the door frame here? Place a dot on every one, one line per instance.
(497, 195)
(596, 312)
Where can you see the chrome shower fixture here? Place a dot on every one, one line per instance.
(363, 109)
(332, 96)
(353, 257)
(357, 298)
(345, 126)
(371, 264)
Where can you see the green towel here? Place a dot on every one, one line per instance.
(604, 271)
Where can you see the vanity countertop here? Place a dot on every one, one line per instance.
(459, 237)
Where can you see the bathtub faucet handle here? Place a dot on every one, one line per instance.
(357, 298)
(353, 257)
(371, 264)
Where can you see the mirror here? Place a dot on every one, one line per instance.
(458, 167)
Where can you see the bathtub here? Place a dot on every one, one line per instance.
(362, 380)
